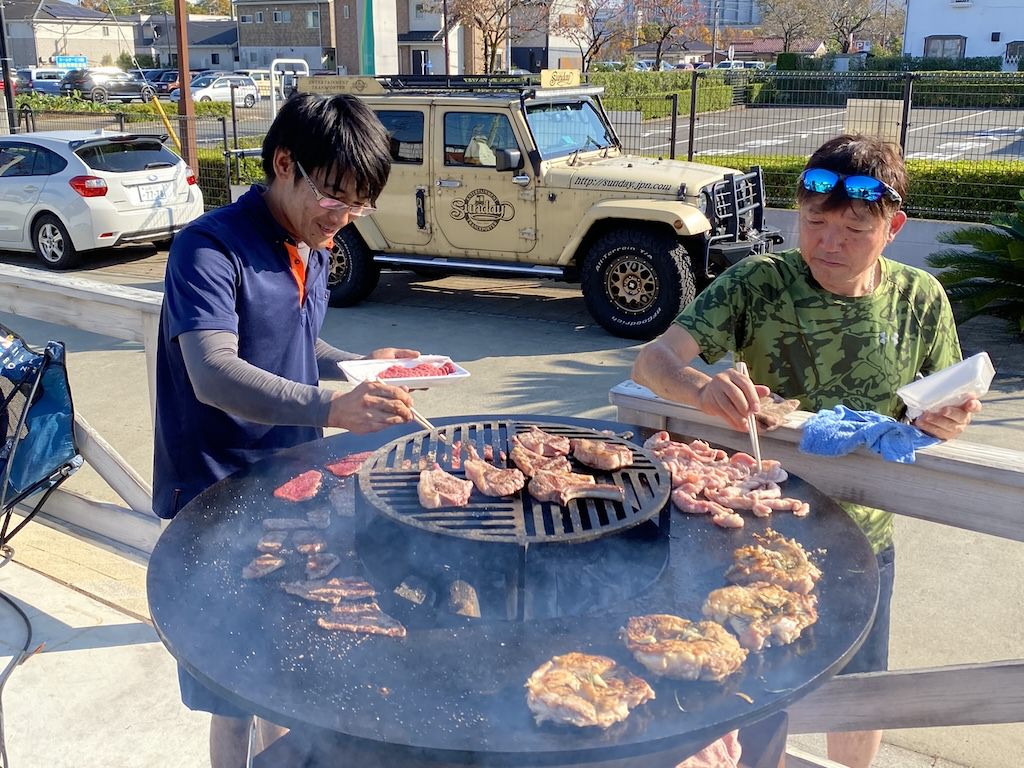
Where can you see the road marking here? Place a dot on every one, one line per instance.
(772, 125)
(951, 120)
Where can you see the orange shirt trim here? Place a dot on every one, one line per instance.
(298, 268)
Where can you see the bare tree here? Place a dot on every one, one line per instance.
(790, 20)
(592, 28)
(500, 21)
(668, 21)
(845, 18)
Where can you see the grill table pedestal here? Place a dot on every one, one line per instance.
(452, 690)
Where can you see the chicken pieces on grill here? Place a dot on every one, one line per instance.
(776, 560)
(583, 690)
(762, 614)
(674, 647)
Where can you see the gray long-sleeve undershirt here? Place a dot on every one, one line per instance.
(221, 379)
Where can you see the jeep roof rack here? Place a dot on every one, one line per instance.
(525, 86)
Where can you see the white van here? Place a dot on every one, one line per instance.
(259, 76)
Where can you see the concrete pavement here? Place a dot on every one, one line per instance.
(103, 692)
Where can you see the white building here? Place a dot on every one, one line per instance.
(962, 28)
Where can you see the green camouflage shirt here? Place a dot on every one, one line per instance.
(807, 343)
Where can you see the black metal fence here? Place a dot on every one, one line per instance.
(961, 132)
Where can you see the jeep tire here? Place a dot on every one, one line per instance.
(353, 272)
(635, 281)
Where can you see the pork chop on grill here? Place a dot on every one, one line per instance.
(531, 463)
(272, 541)
(262, 565)
(308, 542)
(320, 564)
(301, 487)
(348, 465)
(330, 590)
(583, 690)
(762, 614)
(364, 617)
(776, 560)
(563, 487)
(493, 481)
(285, 524)
(438, 489)
(674, 647)
(538, 441)
(600, 454)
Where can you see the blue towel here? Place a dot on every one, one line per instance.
(841, 430)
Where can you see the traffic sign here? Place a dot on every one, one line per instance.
(71, 62)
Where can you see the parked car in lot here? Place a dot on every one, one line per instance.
(68, 192)
(103, 85)
(218, 88)
(41, 79)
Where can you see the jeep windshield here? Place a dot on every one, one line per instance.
(562, 128)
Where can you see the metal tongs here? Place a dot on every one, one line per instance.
(741, 367)
(419, 418)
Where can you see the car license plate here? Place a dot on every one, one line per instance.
(150, 192)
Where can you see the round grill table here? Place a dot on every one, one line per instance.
(452, 689)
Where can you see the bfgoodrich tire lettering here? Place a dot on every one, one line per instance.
(635, 281)
(52, 243)
(354, 273)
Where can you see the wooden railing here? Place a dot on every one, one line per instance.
(966, 485)
(120, 312)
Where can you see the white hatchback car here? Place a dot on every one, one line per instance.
(66, 192)
(218, 88)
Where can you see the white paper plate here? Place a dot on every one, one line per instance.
(358, 371)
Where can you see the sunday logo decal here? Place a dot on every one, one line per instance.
(482, 210)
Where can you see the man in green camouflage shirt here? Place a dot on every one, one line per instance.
(833, 322)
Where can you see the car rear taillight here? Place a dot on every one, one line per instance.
(89, 186)
(190, 177)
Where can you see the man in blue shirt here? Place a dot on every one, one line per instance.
(239, 359)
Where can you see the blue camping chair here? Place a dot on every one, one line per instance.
(37, 420)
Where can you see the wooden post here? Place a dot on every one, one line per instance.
(186, 110)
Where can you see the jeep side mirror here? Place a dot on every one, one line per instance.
(508, 159)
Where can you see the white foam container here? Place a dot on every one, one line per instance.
(950, 386)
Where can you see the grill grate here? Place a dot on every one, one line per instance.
(389, 478)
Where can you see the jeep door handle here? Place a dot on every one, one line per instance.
(449, 183)
(522, 180)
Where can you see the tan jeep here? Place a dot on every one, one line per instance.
(503, 177)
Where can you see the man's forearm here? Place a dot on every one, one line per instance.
(669, 377)
(327, 359)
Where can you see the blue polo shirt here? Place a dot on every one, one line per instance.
(229, 271)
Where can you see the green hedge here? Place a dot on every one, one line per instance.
(39, 102)
(649, 92)
(928, 64)
(938, 190)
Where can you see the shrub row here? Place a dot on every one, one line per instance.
(938, 190)
(40, 102)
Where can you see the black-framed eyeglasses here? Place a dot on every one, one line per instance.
(866, 188)
(332, 204)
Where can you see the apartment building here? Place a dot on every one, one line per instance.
(962, 28)
(286, 29)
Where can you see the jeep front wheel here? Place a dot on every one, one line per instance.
(354, 273)
(635, 281)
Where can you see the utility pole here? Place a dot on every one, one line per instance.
(5, 64)
(714, 35)
(186, 109)
(444, 32)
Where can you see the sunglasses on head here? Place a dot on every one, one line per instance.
(866, 188)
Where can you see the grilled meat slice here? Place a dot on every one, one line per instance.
(438, 489)
(262, 565)
(492, 481)
(563, 487)
(531, 463)
(285, 524)
(320, 518)
(330, 590)
(272, 541)
(308, 543)
(774, 411)
(301, 487)
(348, 465)
(364, 617)
(538, 441)
(583, 690)
(685, 650)
(762, 614)
(320, 564)
(776, 560)
(600, 454)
